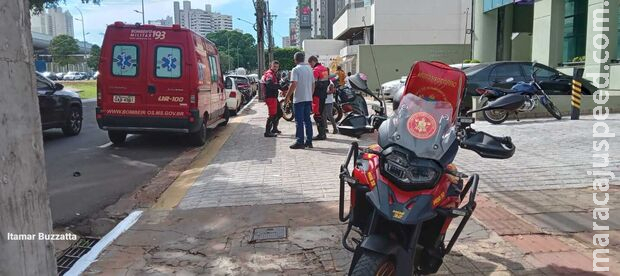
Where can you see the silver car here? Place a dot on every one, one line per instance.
(389, 88)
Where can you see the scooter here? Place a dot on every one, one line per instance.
(359, 121)
(405, 191)
(532, 92)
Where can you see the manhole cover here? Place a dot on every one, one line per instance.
(68, 257)
(266, 234)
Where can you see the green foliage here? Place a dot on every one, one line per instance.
(242, 49)
(37, 6)
(61, 47)
(285, 57)
(467, 61)
(471, 61)
(579, 59)
(93, 59)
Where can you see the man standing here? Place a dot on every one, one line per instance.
(341, 76)
(302, 85)
(321, 76)
(272, 88)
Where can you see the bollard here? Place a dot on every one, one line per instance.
(576, 100)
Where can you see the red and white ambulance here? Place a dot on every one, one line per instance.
(159, 79)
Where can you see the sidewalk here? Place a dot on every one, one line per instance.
(204, 227)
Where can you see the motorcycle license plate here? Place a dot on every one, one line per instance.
(124, 99)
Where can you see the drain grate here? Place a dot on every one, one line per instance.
(266, 234)
(68, 257)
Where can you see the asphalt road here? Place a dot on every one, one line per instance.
(105, 172)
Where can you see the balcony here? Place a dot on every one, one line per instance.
(348, 20)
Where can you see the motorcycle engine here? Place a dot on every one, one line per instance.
(528, 105)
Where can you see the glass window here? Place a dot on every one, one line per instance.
(41, 85)
(213, 67)
(125, 60)
(229, 83)
(168, 62)
(505, 71)
(201, 71)
(542, 73)
(575, 29)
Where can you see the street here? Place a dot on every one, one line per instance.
(85, 173)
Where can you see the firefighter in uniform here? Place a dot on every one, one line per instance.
(272, 88)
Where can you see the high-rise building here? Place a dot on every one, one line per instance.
(162, 22)
(322, 17)
(52, 22)
(286, 42)
(304, 21)
(292, 26)
(201, 21)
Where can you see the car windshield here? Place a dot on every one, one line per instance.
(474, 69)
(424, 126)
(240, 80)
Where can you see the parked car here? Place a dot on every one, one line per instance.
(86, 75)
(505, 74)
(95, 75)
(389, 88)
(397, 97)
(59, 76)
(234, 98)
(244, 86)
(59, 108)
(254, 83)
(50, 75)
(73, 76)
(166, 80)
(463, 66)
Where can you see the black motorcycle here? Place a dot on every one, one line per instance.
(359, 121)
(532, 93)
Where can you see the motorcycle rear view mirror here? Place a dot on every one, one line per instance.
(489, 146)
(508, 102)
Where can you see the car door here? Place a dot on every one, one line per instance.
(48, 102)
(551, 80)
(502, 72)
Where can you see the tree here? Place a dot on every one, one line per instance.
(62, 47)
(93, 59)
(242, 47)
(285, 57)
(24, 203)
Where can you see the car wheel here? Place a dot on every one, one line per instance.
(73, 125)
(199, 138)
(226, 118)
(117, 137)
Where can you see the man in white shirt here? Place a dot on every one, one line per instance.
(302, 86)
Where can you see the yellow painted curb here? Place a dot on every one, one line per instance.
(178, 189)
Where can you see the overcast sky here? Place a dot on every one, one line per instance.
(98, 17)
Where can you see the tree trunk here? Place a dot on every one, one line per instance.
(24, 204)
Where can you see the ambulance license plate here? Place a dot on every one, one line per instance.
(124, 99)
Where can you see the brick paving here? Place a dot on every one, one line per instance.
(259, 182)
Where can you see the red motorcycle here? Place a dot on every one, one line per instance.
(405, 191)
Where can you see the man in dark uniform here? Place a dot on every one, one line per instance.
(272, 89)
(321, 77)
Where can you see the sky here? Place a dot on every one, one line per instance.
(96, 18)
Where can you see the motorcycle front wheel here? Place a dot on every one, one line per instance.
(495, 117)
(287, 111)
(374, 264)
(553, 110)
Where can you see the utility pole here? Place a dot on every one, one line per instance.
(259, 6)
(269, 24)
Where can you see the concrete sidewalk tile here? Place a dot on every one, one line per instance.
(537, 243)
(563, 263)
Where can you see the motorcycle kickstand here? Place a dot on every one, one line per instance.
(517, 116)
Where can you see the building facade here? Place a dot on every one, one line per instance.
(53, 22)
(323, 13)
(303, 21)
(200, 21)
(286, 42)
(168, 21)
(292, 26)
(384, 38)
(558, 33)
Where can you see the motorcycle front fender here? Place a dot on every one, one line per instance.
(385, 246)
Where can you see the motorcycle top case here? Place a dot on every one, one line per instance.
(437, 81)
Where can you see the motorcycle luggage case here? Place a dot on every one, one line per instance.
(434, 80)
(354, 125)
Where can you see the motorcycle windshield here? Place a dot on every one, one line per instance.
(423, 126)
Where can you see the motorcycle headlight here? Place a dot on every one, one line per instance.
(410, 173)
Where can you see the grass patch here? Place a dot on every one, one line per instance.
(86, 89)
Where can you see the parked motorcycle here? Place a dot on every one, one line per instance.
(532, 93)
(359, 120)
(405, 191)
(289, 113)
